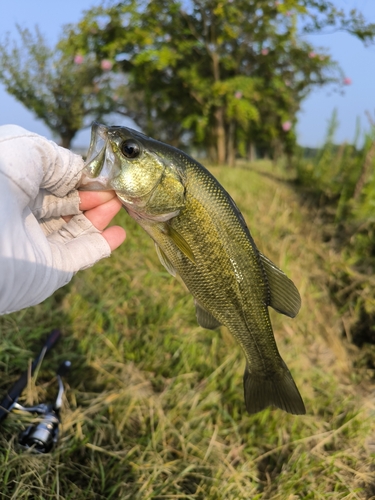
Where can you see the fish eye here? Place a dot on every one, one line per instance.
(130, 149)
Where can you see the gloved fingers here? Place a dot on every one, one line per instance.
(51, 225)
(77, 226)
(47, 205)
(62, 169)
(77, 245)
(93, 220)
(78, 253)
(33, 162)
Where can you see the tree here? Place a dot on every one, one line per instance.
(65, 91)
(222, 74)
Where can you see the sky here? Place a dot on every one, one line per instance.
(357, 62)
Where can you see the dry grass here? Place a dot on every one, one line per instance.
(154, 406)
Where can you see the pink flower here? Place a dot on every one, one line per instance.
(78, 59)
(106, 65)
(288, 83)
(238, 94)
(347, 81)
(264, 52)
(288, 13)
(312, 55)
(286, 126)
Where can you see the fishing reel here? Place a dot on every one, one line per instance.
(42, 436)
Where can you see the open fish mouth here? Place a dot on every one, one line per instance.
(101, 166)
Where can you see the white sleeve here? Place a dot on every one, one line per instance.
(34, 264)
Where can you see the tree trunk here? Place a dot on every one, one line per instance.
(277, 151)
(66, 140)
(251, 154)
(231, 145)
(212, 154)
(219, 111)
(220, 135)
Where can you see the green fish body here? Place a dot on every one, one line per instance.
(201, 236)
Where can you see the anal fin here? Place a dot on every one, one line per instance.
(205, 319)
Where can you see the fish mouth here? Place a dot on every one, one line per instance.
(101, 166)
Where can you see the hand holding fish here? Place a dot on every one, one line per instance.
(49, 230)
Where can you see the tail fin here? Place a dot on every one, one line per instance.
(280, 391)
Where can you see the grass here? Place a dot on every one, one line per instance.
(154, 405)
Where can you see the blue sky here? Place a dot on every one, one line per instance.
(357, 62)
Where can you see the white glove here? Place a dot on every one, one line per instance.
(39, 251)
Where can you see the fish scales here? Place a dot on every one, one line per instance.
(220, 279)
(202, 237)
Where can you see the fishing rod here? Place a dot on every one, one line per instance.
(42, 436)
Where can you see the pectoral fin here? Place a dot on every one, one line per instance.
(285, 297)
(179, 241)
(204, 318)
(165, 261)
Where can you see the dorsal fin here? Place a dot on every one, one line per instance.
(285, 297)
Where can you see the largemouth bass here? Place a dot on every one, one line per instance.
(201, 236)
